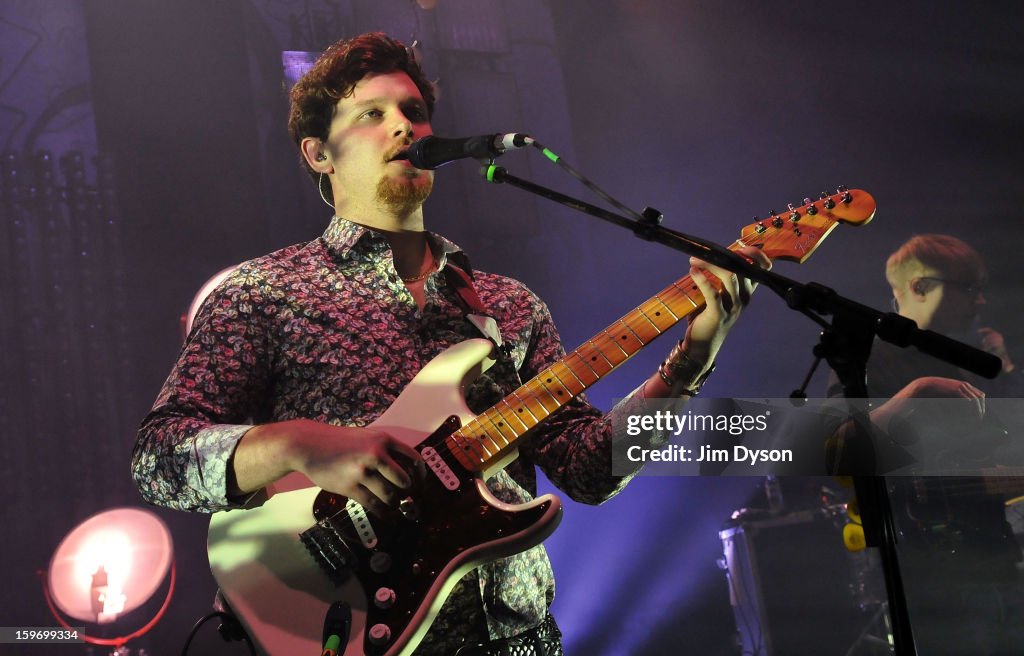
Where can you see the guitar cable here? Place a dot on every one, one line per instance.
(229, 629)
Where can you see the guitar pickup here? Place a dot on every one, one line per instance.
(440, 468)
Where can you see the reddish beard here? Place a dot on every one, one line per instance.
(404, 194)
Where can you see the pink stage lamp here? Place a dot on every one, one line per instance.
(108, 565)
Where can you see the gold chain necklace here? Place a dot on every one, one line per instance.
(427, 272)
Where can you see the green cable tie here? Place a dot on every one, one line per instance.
(490, 172)
(550, 155)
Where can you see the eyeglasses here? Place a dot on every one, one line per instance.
(971, 289)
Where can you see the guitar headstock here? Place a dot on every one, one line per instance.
(795, 233)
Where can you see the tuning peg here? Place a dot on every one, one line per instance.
(811, 209)
(846, 197)
(794, 214)
(829, 203)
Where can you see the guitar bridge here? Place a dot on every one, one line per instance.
(328, 548)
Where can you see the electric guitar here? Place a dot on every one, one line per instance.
(283, 564)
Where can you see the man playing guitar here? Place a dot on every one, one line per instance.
(313, 342)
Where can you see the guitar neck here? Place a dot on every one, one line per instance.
(490, 437)
(483, 444)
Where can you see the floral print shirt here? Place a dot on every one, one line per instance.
(327, 330)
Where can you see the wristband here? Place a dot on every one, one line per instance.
(678, 366)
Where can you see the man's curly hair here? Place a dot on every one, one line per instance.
(335, 75)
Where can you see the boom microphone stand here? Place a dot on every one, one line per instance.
(845, 344)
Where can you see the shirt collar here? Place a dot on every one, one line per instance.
(343, 236)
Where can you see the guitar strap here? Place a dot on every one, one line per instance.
(473, 307)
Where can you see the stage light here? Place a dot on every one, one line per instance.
(110, 564)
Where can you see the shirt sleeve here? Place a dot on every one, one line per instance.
(574, 446)
(185, 444)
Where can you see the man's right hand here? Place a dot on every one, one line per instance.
(359, 463)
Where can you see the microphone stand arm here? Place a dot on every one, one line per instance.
(649, 228)
(811, 299)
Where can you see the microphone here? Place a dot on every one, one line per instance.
(429, 153)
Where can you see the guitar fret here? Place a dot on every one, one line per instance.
(538, 391)
(682, 291)
(525, 406)
(613, 356)
(509, 413)
(591, 353)
(603, 345)
(464, 450)
(625, 322)
(457, 442)
(642, 328)
(464, 459)
(490, 445)
(475, 431)
(500, 426)
(693, 294)
(657, 329)
(657, 298)
(581, 385)
(553, 384)
(587, 371)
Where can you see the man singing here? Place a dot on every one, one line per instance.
(297, 352)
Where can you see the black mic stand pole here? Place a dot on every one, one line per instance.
(845, 344)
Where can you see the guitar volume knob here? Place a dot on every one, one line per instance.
(384, 598)
(379, 634)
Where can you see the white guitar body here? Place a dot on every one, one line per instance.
(281, 594)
